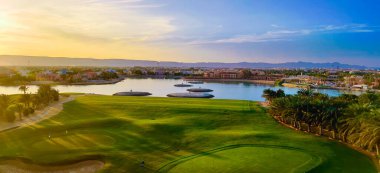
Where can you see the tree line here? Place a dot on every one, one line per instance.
(14, 107)
(348, 118)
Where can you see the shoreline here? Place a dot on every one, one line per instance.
(96, 82)
(265, 82)
(53, 83)
(291, 85)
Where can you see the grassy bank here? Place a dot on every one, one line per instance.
(177, 135)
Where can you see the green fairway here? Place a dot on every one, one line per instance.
(246, 158)
(177, 135)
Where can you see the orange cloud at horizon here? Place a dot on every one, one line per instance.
(81, 29)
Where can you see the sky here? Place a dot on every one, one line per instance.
(346, 31)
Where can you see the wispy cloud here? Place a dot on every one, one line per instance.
(275, 26)
(98, 19)
(83, 28)
(287, 35)
(362, 30)
(279, 35)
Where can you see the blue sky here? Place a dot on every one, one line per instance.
(197, 30)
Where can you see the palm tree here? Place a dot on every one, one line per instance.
(321, 114)
(310, 114)
(295, 111)
(20, 110)
(5, 102)
(280, 93)
(305, 92)
(370, 137)
(26, 99)
(37, 101)
(269, 94)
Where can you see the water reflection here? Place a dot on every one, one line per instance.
(162, 87)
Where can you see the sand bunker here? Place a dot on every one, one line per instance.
(18, 166)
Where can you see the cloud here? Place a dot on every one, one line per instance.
(275, 26)
(84, 28)
(342, 28)
(362, 30)
(119, 20)
(270, 36)
(287, 35)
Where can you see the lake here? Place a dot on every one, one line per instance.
(162, 87)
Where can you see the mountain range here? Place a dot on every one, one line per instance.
(15, 60)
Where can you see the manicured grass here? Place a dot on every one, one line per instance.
(246, 158)
(177, 135)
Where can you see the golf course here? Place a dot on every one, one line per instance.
(176, 135)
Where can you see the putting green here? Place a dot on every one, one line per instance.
(246, 158)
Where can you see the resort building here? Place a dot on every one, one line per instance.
(229, 75)
(48, 76)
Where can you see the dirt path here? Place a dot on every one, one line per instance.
(38, 116)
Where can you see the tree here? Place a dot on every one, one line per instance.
(55, 94)
(280, 93)
(10, 113)
(270, 94)
(45, 94)
(278, 108)
(246, 73)
(305, 92)
(5, 102)
(26, 99)
(37, 101)
(356, 120)
(19, 108)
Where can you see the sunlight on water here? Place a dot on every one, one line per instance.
(162, 87)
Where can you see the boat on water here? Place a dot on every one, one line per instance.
(196, 82)
(183, 85)
(132, 93)
(191, 95)
(200, 90)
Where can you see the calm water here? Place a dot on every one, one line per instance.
(162, 87)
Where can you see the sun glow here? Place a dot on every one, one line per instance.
(3, 22)
(82, 29)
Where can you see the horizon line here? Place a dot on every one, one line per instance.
(94, 58)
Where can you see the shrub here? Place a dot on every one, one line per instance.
(10, 115)
(28, 111)
(31, 110)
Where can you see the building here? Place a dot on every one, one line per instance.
(229, 75)
(211, 74)
(353, 80)
(363, 87)
(302, 79)
(24, 73)
(272, 77)
(257, 73)
(4, 72)
(48, 76)
(90, 75)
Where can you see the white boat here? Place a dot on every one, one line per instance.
(191, 95)
(183, 85)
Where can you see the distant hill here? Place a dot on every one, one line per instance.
(12, 60)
